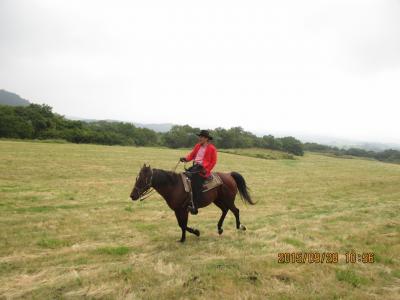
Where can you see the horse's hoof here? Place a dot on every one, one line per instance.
(181, 241)
(196, 232)
(220, 231)
(242, 227)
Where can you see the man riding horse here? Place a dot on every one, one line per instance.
(204, 155)
(171, 187)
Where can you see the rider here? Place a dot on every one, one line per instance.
(205, 157)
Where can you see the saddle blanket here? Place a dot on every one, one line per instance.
(209, 184)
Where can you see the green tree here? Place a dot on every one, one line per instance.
(181, 136)
(292, 145)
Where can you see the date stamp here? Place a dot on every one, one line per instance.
(325, 257)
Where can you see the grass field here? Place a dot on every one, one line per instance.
(69, 229)
(259, 153)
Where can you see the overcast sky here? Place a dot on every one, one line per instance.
(302, 67)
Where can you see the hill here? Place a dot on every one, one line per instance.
(161, 127)
(157, 127)
(8, 98)
(69, 230)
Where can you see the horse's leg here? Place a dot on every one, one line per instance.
(182, 217)
(193, 230)
(235, 211)
(224, 209)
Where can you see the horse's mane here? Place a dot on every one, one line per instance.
(162, 177)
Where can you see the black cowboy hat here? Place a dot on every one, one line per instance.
(205, 133)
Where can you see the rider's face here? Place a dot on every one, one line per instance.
(202, 140)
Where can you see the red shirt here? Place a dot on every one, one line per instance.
(209, 159)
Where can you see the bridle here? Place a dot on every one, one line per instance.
(147, 188)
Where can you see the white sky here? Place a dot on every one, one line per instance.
(302, 67)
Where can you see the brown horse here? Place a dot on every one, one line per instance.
(170, 186)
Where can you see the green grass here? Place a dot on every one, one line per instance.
(259, 153)
(117, 251)
(350, 277)
(52, 243)
(294, 242)
(68, 228)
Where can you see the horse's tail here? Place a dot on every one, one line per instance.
(242, 187)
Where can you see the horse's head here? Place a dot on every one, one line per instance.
(143, 183)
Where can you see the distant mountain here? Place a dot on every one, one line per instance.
(349, 143)
(378, 146)
(87, 120)
(344, 143)
(8, 98)
(369, 146)
(162, 127)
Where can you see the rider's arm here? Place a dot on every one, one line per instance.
(193, 153)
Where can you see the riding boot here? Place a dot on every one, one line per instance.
(192, 207)
(197, 184)
(197, 194)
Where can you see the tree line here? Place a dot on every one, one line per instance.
(40, 122)
(235, 137)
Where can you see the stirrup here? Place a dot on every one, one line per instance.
(193, 210)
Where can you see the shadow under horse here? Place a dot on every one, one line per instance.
(170, 186)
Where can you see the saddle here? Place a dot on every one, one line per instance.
(211, 183)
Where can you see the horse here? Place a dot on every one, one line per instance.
(170, 186)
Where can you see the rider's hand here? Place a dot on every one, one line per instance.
(183, 159)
